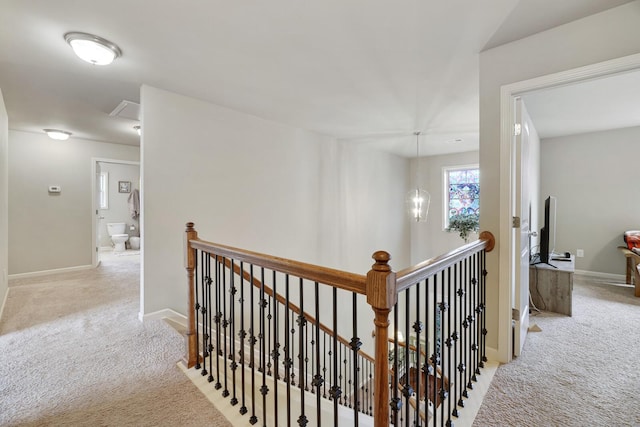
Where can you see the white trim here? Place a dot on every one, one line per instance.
(507, 95)
(54, 271)
(4, 302)
(162, 314)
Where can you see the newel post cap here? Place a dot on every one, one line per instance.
(381, 282)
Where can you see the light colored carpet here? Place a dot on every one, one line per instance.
(73, 353)
(578, 371)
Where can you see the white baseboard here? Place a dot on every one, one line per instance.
(162, 314)
(46, 272)
(605, 277)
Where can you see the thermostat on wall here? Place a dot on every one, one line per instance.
(55, 189)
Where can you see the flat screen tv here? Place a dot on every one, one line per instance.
(548, 231)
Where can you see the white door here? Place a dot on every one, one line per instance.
(520, 230)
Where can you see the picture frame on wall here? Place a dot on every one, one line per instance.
(124, 186)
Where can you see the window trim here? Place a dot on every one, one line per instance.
(103, 192)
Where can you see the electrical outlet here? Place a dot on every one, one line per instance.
(579, 253)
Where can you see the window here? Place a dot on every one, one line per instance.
(103, 190)
(461, 192)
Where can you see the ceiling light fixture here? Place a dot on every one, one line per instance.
(93, 49)
(138, 129)
(59, 135)
(417, 200)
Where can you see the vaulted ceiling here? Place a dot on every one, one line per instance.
(365, 71)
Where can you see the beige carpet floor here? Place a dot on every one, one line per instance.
(73, 353)
(578, 371)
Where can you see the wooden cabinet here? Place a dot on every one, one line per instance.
(551, 286)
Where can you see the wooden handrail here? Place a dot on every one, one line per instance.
(409, 276)
(340, 279)
(267, 290)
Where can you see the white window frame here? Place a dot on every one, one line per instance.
(445, 189)
(103, 192)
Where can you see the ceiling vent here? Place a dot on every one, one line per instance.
(127, 110)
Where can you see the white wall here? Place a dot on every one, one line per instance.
(597, 194)
(118, 210)
(611, 34)
(4, 200)
(263, 186)
(53, 231)
(428, 239)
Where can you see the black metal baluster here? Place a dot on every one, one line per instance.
(475, 313)
(287, 349)
(355, 347)
(302, 321)
(276, 348)
(395, 403)
(441, 342)
(483, 290)
(318, 380)
(203, 313)
(252, 345)
(243, 334)
(324, 365)
(218, 318)
(435, 358)
(407, 390)
(456, 348)
(196, 308)
(209, 318)
(263, 354)
(335, 391)
(225, 325)
(450, 342)
(232, 335)
(417, 329)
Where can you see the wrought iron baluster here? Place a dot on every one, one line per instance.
(263, 354)
(335, 391)
(209, 317)
(196, 307)
(302, 321)
(218, 319)
(417, 329)
(355, 347)
(252, 345)
(318, 380)
(243, 334)
(203, 314)
(276, 346)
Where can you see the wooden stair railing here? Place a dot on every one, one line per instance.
(451, 330)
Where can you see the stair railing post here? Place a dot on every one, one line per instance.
(191, 354)
(382, 297)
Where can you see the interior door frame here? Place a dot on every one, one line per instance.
(94, 201)
(508, 94)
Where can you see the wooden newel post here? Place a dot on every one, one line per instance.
(191, 353)
(381, 296)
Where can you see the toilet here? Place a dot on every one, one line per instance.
(118, 236)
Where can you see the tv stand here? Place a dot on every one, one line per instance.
(551, 285)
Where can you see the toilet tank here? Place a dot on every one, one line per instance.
(116, 228)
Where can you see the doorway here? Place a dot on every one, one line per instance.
(509, 251)
(115, 184)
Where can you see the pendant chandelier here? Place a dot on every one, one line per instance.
(417, 200)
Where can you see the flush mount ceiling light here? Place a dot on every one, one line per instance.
(137, 128)
(60, 135)
(93, 49)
